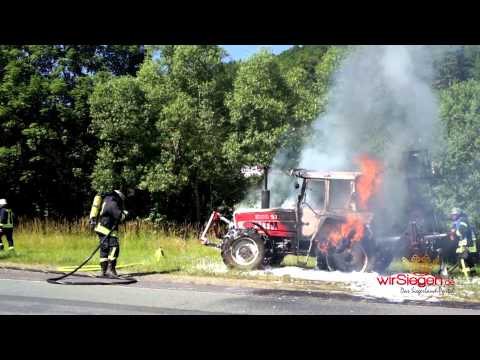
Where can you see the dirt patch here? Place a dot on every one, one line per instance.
(285, 284)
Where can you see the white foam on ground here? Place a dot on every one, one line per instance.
(364, 284)
(211, 267)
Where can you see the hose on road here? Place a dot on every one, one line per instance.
(89, 268)
(117, 280)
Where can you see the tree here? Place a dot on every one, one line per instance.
(450, 67)
(193, 119)
(456, 64)
(258, 109)
(306, 57)
(123, 125)
(472, 54)
(180, 95)
(325, 70)
(460, 161)
(48, 151)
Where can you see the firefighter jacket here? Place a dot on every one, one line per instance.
(6, 218)
(465, 235)
(111, 214)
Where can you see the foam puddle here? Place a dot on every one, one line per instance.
(211, 267)
(363, 284)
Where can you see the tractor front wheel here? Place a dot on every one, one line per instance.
(245, 252)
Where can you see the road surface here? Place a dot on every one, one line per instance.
(28, 293)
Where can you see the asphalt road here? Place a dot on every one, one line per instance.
(28, 293)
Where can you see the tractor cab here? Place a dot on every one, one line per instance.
(326, 195)
(328, 191)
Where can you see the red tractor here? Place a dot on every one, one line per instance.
(327, 222)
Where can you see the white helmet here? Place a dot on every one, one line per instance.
(3, 202)
(119, 193)
(456, 211)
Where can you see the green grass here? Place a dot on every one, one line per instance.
(54, 249)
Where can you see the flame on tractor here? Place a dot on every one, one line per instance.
(367, 185)
(353, 230)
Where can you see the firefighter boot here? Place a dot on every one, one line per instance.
(113, 265)
(103, 266)
(443, 269)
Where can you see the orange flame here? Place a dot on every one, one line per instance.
(353, 229)
(367, 185)
(370, 181)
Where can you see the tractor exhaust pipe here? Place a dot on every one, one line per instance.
(265, 191)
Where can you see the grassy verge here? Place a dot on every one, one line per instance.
(181, 255)
(55, 249)
(50, 245)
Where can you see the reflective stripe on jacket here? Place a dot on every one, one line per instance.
(465, 235)
(6, 218)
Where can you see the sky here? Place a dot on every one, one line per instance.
(241, 52)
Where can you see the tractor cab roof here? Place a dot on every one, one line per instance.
(322, 175)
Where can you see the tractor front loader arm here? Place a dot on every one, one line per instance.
(214, 220)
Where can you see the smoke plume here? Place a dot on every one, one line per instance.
(379, 92)
(381, 103)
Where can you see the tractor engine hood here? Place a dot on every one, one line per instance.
(278, 222)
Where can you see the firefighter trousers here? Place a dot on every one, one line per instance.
(109, 248)
(8, 233)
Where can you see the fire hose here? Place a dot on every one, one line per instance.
(119, 279)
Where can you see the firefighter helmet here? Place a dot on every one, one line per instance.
(456, 211)
(3, 202)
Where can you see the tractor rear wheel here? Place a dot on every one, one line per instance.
(245, 252)
(353, 258)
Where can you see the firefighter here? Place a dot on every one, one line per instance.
(463, 234)
(6, 224)
(106, 214)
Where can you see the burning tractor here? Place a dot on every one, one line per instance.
(330, 222)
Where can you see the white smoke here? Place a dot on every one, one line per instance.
(379, 92)
(381, 103)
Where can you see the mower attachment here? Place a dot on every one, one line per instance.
(214, 221)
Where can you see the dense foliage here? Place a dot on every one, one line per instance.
(178, 123)
(46, 149)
